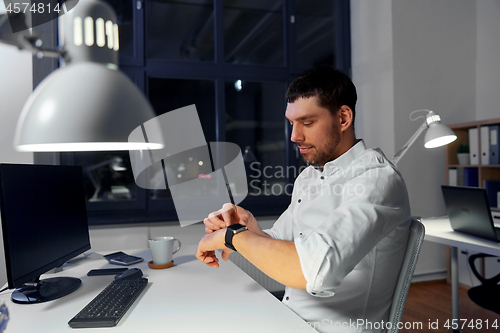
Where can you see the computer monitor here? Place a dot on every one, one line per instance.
(44, 224)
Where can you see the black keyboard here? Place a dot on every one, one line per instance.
(107, 308)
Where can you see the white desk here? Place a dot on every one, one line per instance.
(189, 297)
(438, 230)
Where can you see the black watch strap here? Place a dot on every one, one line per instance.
(230, 232)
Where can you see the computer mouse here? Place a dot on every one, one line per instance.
(133, 273)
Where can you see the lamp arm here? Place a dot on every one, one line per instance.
(95, 182)
(99, 165)
(94, 179)
(23, 39)
(410, 142)
(33, 43)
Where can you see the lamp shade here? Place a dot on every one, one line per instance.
(438, 135)
(84, 106)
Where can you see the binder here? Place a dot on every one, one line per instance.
(474, 146)
(471, 177)
(460, 176)
(494, 146)
(452, 177)
(485, 145)
(456, 176)
(492, 187)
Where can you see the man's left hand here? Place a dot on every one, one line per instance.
(207, 246)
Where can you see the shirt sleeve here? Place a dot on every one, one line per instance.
(282, 228)
(373, 206)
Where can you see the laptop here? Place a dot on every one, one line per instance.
(469, 211)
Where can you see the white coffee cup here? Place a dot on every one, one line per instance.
(162, 249)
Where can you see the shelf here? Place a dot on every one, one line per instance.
(488, 171)
(472, 124)
(493, 166)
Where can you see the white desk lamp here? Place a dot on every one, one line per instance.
(437, 134)
(87, 104)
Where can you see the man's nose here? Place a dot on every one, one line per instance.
(297, 135)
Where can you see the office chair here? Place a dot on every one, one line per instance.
(487, 294)
(415, 239)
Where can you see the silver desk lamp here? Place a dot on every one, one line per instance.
(87, 104)
(436, 135)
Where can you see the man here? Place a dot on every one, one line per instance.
(339, 246)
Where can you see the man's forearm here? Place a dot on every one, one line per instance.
(257, 230)
(276, 258)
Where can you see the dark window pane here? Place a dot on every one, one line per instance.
(180, 30)
(253, 32)
(170, 94)
(255, 121)
(315, 31)
(124, 15)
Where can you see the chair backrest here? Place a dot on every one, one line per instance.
(415, 239)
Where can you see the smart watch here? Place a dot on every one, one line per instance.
(230, 232)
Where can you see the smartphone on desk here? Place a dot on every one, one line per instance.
(106, 271)
(121, 258)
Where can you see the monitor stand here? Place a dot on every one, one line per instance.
(45, 290)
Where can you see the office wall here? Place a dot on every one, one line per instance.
(488, 60)
(372, 71)
(434, 66)
(15, 87)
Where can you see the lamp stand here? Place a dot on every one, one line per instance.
(410, 142)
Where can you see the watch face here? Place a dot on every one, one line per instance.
(236, 226)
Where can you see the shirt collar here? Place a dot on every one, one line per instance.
(344, 160)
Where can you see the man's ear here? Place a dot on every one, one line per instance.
(345, 116)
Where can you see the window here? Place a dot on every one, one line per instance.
(253, 32)
(193, 23)
(233, 59)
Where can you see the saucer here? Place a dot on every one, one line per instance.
(167, 265)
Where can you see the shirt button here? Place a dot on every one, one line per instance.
(322, 177)
(300, 200)
(313, 293)
(287, 298)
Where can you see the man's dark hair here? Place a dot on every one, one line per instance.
(332, 88)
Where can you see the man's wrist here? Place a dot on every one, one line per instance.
(237, 238)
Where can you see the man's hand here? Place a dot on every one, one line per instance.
(221, 219)
(207, 246)
(228, 215)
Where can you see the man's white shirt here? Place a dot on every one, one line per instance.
(350, 224)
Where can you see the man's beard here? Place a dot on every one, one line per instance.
(325, 153)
